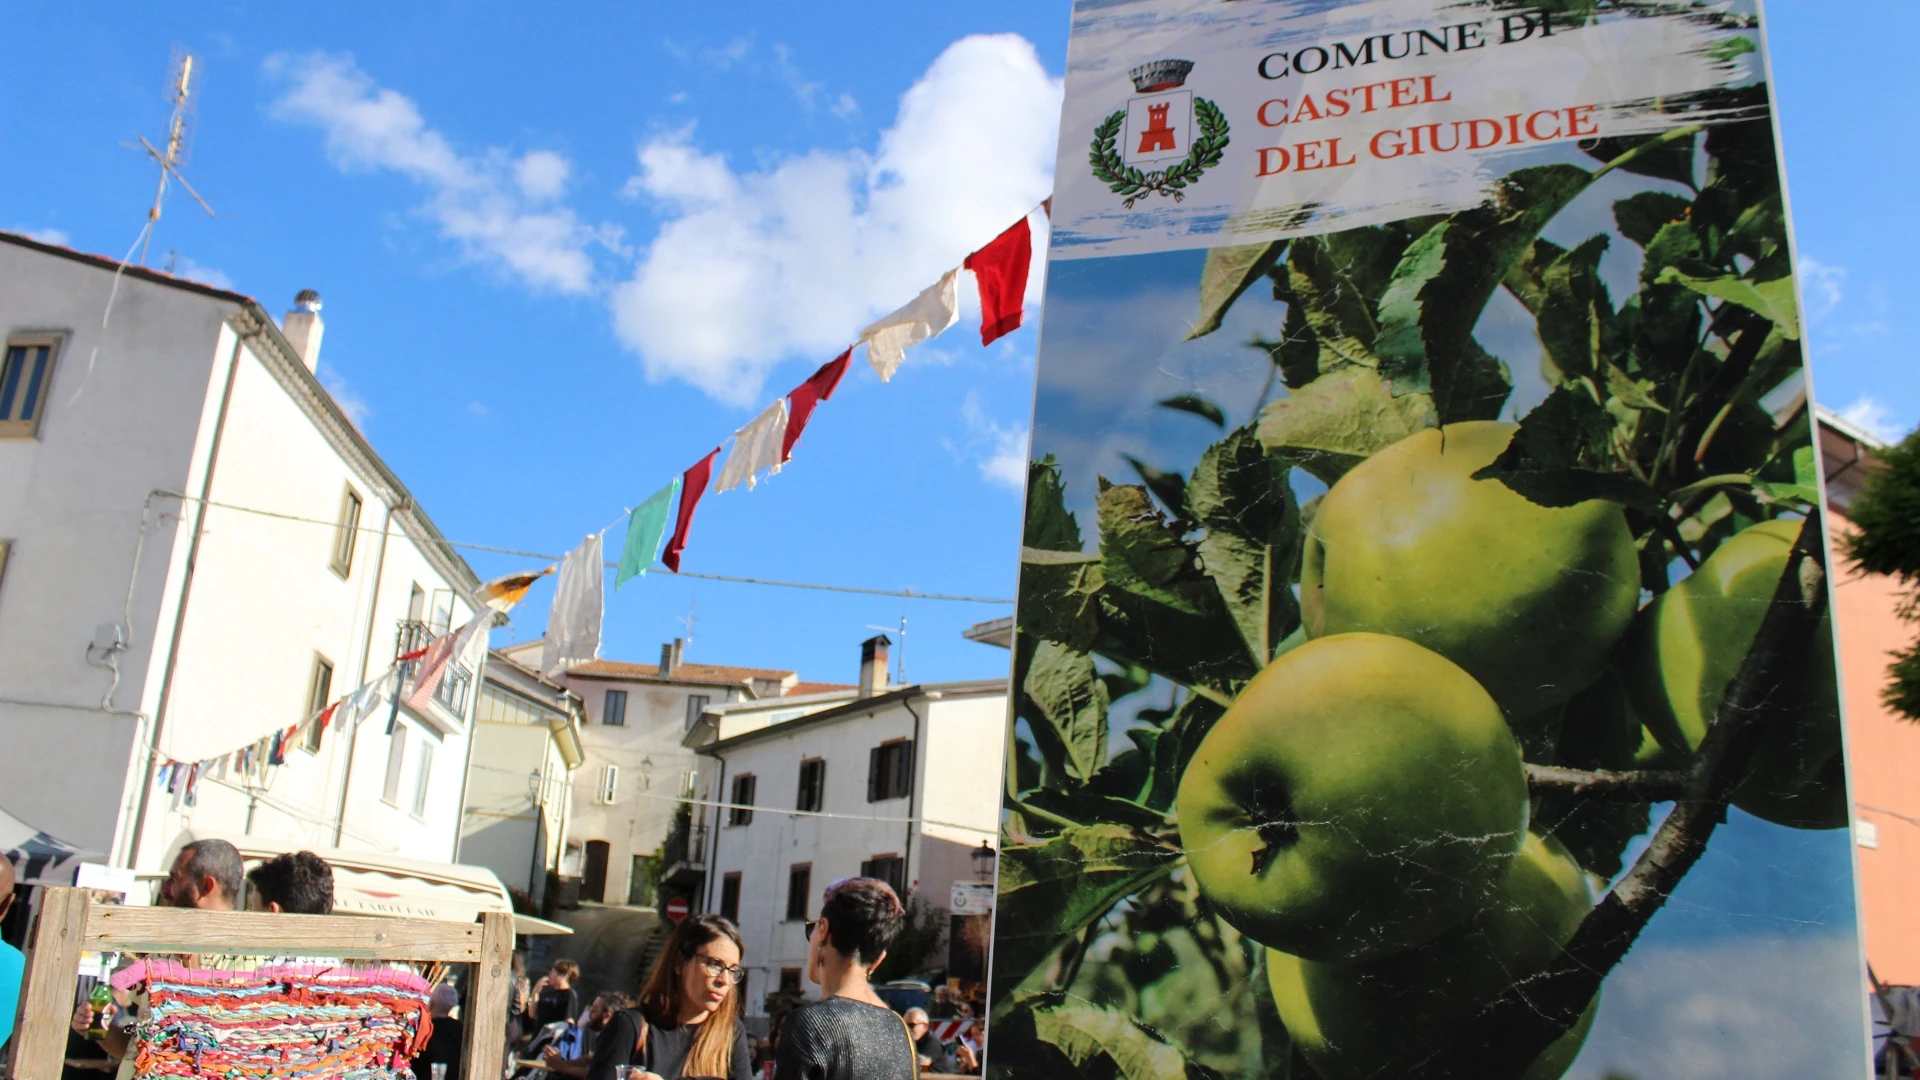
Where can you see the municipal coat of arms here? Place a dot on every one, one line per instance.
(1163, 140)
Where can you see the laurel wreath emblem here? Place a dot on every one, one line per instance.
(1123, 179)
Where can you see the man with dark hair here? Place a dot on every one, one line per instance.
(206, 875)
(297, 883)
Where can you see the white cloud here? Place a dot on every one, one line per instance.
(478, 408)
(1823, 287)
(1870, 413)
(184, 267)
(999, 452)
(46, 236)
(755, 266)
(491, 204)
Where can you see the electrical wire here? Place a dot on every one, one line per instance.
(911, 594)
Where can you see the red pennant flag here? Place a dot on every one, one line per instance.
(818, 388)
(1000, 268)
(692, 486)
(326, 714)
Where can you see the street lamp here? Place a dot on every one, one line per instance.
(983, 859)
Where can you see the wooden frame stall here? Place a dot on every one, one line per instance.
(70, 923)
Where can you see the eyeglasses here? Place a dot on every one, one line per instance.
(735, 973)
(807, 927)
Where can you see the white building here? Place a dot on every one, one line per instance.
(526, 750)
(637, 719)
(198, 549)
(901, 784)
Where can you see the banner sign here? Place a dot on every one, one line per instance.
(1422, 659)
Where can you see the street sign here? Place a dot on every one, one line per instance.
(676, 909)
(970, 898)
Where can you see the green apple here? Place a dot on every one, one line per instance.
(1362, 795)
(1376, 1019)
(1688, 645)
(1529, 599)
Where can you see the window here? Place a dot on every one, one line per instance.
(416, 604)
(890, 771)
(741, 813)
(641, 891)
(614, 713)
(730, 896)
(799, 884)
(396, 759)
(442, 611)
(451, 693)
(696, 704)
(609, 790)
(813, 784)
(319, 690)
(422, 776)
(348, 532)
(889, 868)
(24, 379)
(789, 980)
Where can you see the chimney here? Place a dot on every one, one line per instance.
(670, 657)
(873, 665)
(303, 327)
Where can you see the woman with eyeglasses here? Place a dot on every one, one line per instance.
(849, 1034)
(688, 1023)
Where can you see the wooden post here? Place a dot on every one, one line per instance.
(486, 1014)
(46, 991)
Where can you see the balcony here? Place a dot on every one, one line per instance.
(455, 686)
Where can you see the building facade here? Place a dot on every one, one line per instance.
(638, 767)
(901, 784)
(197, 550)
(527, 748)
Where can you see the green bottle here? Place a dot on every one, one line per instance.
(97, 1002)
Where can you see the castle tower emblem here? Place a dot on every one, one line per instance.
(1163, 140)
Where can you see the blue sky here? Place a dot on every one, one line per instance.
(564, 257)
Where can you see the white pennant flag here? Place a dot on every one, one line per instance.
(928, 314)
(573, 627)
(756, 446)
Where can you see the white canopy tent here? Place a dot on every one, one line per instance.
(37, 857)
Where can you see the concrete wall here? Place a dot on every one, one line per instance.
(501, 827)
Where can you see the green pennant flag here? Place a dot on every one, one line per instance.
(645, 526)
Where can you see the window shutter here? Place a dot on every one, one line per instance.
(876, 760)
(906, 769)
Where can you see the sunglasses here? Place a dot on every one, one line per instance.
(714, 968)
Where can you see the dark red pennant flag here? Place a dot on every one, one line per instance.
(815, 390)
(1001, 270)
(692, 486)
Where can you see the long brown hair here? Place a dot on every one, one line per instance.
(662, 999)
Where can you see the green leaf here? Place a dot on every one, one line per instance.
(1524, 280)
(1806, 480)
(1049, 524)
(1198, 406)
(1641, 217)
(1084, 804)
(1054, 888)
(1443, 282)
(1574, 310)
(1229, 272)
(1072, 703)
(1725, 51)
(1772, 300)
(1336, 280)
(1671, 160)
(1058, 583)
(1239, 494)
(1169, 487)
(1107, 1044)
(1297, 352)
(1337, 421)
(1141, 554)
(1562, 456)
(1174, 746)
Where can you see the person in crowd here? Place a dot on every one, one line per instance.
(965, 1060)
(448, 1041)
(554, 998)
(592, 1027)
(297, 883)
(849, 1034)
(933, 1055)
(688, 1022)
(519, 1002)
(942, 1006)
(13, 963)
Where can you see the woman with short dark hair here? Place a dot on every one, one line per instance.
(849, 1034)
(688, 1023)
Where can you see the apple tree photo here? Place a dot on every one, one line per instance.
(1384, 782)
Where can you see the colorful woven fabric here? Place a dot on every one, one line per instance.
(300, 1021)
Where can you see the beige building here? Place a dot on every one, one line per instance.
(527, 749)
(636, 718)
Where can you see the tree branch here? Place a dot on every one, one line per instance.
(1647, 785)
(1507, 1035)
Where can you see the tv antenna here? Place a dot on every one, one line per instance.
(180, 89)
(687, 621)
(900, 656)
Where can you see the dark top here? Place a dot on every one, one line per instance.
(443, 1046)
(843, 1039)
(931, 1048)
(666, 1050)
(555, 1005)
